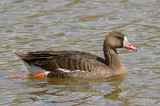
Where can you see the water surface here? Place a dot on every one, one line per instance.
(30, 25)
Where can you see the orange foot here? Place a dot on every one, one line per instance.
(40, 75)
(18, 76)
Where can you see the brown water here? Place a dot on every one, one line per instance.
(30, 25)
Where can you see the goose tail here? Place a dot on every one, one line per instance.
(19, 54)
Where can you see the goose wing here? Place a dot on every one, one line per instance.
(62, 61)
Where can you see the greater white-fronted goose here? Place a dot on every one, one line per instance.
(76, 64)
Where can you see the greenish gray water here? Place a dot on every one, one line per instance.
(30, 25)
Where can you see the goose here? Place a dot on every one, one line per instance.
(77, 64)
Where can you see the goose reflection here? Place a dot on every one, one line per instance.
(61, 91)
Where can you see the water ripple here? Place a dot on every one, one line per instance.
(80, 25)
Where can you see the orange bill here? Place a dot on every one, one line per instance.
(128, 45)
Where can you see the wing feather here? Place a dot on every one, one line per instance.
(69, 60)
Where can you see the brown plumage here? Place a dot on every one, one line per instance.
(76, 64)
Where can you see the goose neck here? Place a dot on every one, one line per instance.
(111, 56)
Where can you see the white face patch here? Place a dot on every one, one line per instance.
(125, 39)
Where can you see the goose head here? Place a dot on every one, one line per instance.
(116, 40)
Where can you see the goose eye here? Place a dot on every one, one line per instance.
(120, 38)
